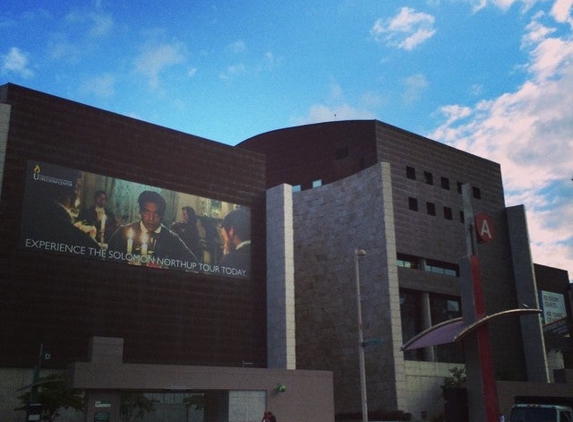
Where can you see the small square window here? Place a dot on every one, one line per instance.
(296, 188)
(428, 178)
(445, 183)
(476, 192)
(448, 215)
(430, 208)
(413, 204)
(410, 172)
(317, 183)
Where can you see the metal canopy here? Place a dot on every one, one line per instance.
(454, 330)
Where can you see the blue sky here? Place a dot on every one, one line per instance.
(491, 77)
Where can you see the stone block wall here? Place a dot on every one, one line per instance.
(330, 223)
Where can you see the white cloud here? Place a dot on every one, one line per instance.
(155, 59)
(101, 25)
(238, 47)
(414, 84)
(501, 4)
(96, 25)
(16, 62)
(233, 71)
(101, 86)
(407, 30)
(336, 108)
(530, 133)
(475, 89)
(561, 11)
(269, 61)
(59, 48)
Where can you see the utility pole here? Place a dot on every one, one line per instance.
(358, 253)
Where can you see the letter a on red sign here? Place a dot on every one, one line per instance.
(484, 228)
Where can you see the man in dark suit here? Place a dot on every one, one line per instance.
(99, 216)
(236, 233)
(47, 217)
(150, 243)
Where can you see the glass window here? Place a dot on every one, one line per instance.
(407, 261)
(430, 208)
(428, 178)
(246, 405)
(564, 416)
(296, 188)
(411, 316)
(413, 204)
(445, 183)
(448, 215)
(440, 267)
(410, 172)
(476, 192)
(444, 308)
(317, 183)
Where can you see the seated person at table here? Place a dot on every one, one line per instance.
(150, 238)
(99, 216)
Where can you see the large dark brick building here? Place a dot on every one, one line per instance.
(400, 197)
(168, 316)
(280, 333)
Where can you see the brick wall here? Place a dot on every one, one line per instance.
(164, 316)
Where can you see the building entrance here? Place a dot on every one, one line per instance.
(207, 406)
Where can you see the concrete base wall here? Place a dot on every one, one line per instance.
(424, 392)
(308, 393)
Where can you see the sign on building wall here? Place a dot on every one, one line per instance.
(553, 306)
(77, 213)
(484, 228)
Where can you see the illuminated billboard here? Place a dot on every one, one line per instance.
(77, 213)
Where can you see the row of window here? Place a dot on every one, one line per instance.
(444, 181)
(315, 184)
(431, 209)
(429, 265)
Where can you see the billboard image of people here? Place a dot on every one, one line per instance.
(77, 213)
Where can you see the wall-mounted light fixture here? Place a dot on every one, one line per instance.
(281, 388)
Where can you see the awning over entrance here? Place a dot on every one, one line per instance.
(454, 330)
(443, 333)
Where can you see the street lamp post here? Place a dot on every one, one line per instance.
(358, 253)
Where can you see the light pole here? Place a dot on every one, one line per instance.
(358, 253)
